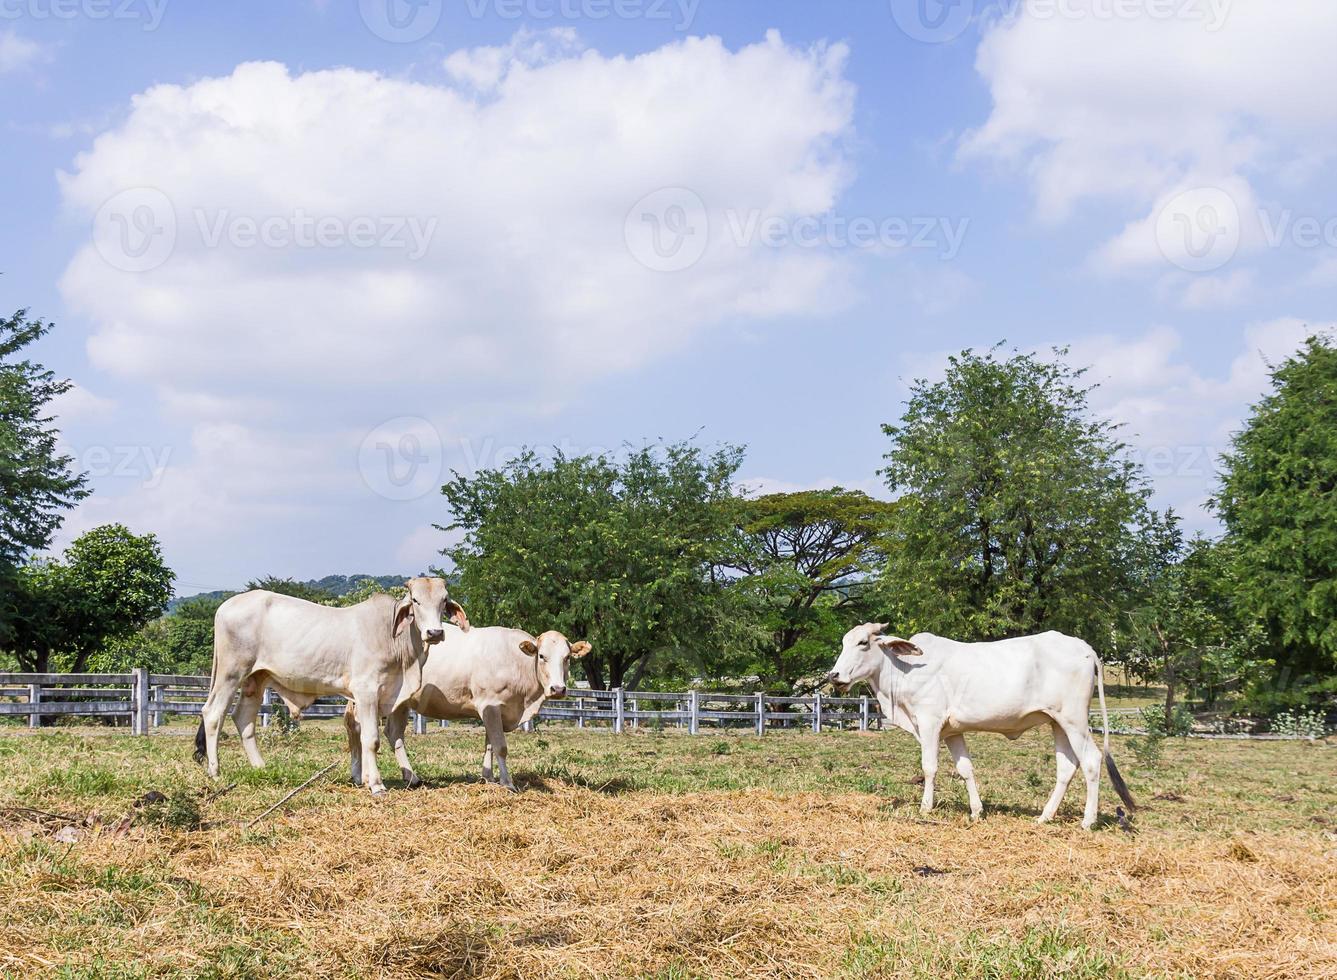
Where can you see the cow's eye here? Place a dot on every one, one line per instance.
(863, 643)
(543, 658)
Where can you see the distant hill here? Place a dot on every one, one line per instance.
(335, 585)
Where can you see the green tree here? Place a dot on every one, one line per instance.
(619, 553)
(1278, 500)
(1021, 511)
(182, 642)
(107, 585)
(804, 558)
(36, 482)
(1189, 633)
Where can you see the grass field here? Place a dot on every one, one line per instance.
(660, 855)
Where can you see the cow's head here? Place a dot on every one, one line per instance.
(425, 607)
(861, 654)
(552, 654)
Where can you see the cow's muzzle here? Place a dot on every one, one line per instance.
(557, 691)
(434, 636)
(837, 685)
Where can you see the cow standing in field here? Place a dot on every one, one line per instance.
(500, 676)
(936, 688)
(372, 653)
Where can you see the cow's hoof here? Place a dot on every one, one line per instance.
(378, 791)
(412, 780)
(509, 787)
(1088, 826)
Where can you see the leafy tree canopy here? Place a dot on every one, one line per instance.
(804, 558)
(1278, 500)
(107, 585)
(1020, 509)
(615, 551)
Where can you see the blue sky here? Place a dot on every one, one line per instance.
(284, 252)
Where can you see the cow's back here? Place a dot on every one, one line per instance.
(470, 669)
(1000, 685)
(305, 646)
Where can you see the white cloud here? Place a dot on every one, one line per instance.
(528, 191)
(525, 167)
(1093, 106)
(1217, 292)
(18, 52)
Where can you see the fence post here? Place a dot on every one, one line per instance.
(266, 707)
(580, 712)
(155, 715)
(139, 701)
(761, 713)
(863, 713)
(693, 711)
(419, 723)
(817, 712)
(35, 697)
(619, 710)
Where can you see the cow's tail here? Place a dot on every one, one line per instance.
(1116, 780)
(201, 744)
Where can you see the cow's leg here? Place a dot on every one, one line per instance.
(1089, 757)
(928, 756)
(354, 731)
(487, 759)
(1066, 760)
(395, 726)
(368, 720)
(496, 737)
(212, 715)
(956, 744)
(248, 709)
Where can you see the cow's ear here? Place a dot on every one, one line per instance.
(457, 614)
(579, 650)
(529, 647)
(900, 648)
(403, 614)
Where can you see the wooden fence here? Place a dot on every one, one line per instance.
(145, 700)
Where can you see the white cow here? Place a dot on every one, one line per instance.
(501, 676)
(371, 652)
(937, 688)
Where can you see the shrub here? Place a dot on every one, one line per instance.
(1177, 725)
(1300, 724)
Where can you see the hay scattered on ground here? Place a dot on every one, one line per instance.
(467, 881)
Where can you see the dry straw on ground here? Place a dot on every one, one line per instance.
(465, 881)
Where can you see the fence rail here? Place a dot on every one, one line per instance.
(145, 700)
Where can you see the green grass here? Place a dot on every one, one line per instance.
(1203, 785)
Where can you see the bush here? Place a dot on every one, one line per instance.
(1177, 725)
(1300, 724)
(1147, 749)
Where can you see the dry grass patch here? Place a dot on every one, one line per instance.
(565, 880)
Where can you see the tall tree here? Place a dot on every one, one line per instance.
(107, 585)
(617, 552)
(36, 483)
(288, 586)
(1021, 510)
(805, 557)
(1278, 500)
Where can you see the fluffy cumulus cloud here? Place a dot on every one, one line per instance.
(276, 251)
(336, 228)
(1155, 105)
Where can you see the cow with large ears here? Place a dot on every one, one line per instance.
(501, 676)
(939, 689)
(371, 653)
